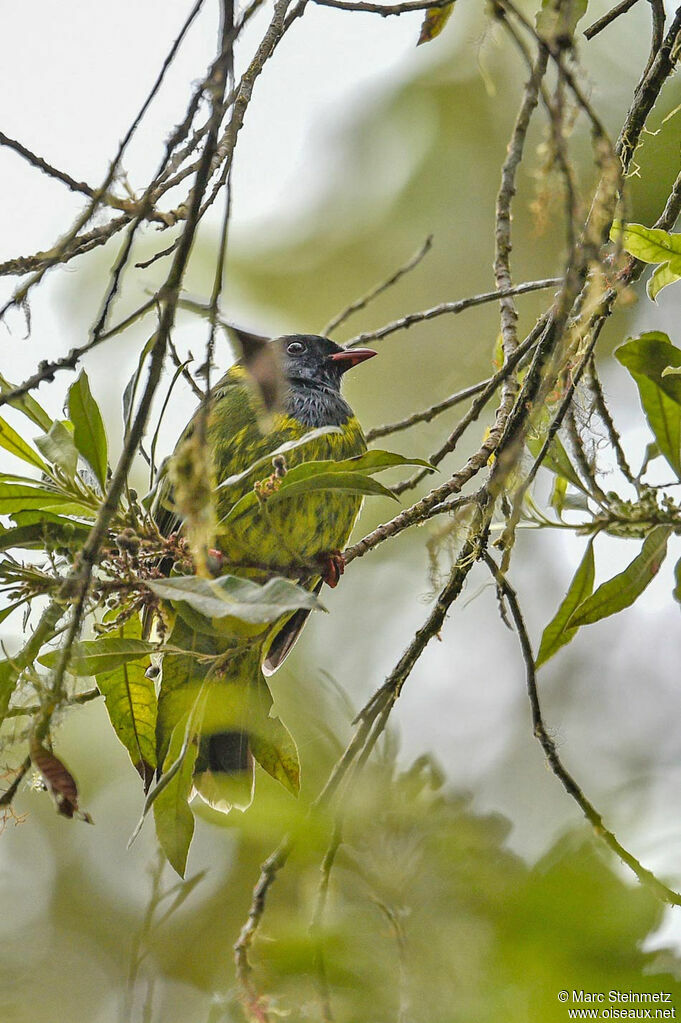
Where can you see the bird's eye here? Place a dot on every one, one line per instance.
(295, 348)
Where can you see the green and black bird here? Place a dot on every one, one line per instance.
(287, 538)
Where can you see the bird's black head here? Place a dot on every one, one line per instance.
(309, 360)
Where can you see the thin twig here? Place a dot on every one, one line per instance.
(268, 873)
(7, 797)
(47, 368)
(475, 410)
(645, 876)
(426, 415)
(502, 220)
(363, 302)
(21, 294)
(385, 10)
(451, 307)
(607, 19)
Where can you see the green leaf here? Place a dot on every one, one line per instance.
(663, 275)
(11, 441)
(88, 427)
(283, 449)
(130, 699)
(93, 657)
(622, 590)
(369, 462)
(7, 611)
(350, 482)
(556, 460)
(351, 475)
(558, 495)
(44, 535)
(172, 815)
(237, 598)
(646, 358)
(651, 245)
(558, 19)
(434, 21)
(273, 747)
(8, 681)
(23, 497)
(27, 404)
(58, 448)
(557, 634)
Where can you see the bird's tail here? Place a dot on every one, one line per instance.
(229, 708)
(224, 774)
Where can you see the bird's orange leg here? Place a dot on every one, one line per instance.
(333, 566)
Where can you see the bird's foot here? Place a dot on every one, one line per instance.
(333, 566)
(214, 561)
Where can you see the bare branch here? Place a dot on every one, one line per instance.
(645, 876)
(385, 10)
(362, 303)
(502, 223)
(607, 19)
(451, 307)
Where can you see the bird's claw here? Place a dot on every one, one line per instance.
(333, 566)
(214, 561)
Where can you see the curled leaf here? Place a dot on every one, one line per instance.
(434, 21)
(234, 597)
(58, 448)
(651, 245)
(58, 780)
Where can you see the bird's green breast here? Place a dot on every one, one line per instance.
(290, 531)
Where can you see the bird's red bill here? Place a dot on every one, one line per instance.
(350, 357)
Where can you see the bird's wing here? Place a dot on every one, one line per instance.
(286, 638)
(233, 392)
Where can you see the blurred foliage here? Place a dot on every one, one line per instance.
(429, 918)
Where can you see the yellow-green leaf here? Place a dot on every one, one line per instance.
(89, 435)
(27, 404)
(97, 656)
(557, 634)
(13, 442)
(622, 590)
(130, 699)
(58, 447)
(8, 680)
(19, 497)
(172, 815)
(646, 359)
(273, 747)
(434, 21)
(558, 19)
(556, 459)
(651, 245)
